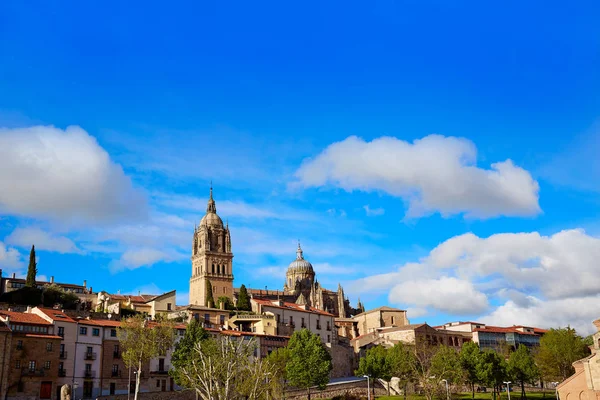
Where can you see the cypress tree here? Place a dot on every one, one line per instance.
(243, 302)
(32, 269)
(210, 301)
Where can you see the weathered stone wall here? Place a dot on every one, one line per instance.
(5, 350)
(358, 388)
(343, 361)
(179, 395)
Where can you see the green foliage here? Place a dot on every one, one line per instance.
(210, 301)
(278, 359)
(400, 359)
(26, 296)
(434, 363)
(309, 361)
(522, 368)
(445, 364)
(559, 348)
(226, 301)
(243, 302)
(31, 270)
(491, 369)
(184, 354)
(375, 364)
(469, 359)
(53, 294)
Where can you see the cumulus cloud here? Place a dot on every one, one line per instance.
(544, 281)
(373, 212)
(63, 175)
(446, 294)
(25, 237)
(145, 257)
(433, 174)
(10, 258)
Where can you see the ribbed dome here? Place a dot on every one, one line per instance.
(300, 264)
(212, 219)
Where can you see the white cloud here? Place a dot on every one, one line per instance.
(10, 258)
(145, 257)
(433, 174)
(64, 176)
(26, 237)
(446, 294)
(373, 212)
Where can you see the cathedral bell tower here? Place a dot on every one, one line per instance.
(212, 259)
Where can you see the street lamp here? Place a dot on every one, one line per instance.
(508, 388)
(368, 387)
(447, 393)
(556, 388)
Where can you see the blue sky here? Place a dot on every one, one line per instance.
(434, 156)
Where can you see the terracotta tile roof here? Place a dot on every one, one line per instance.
(56, 315)
(24, 318)
(499, 329)
(100, 322)
(291, 306)
(229, 332)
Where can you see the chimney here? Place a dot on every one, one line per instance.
(52, 279)
(84, 283)
(14, 275)
(91, 290)
(28, 310)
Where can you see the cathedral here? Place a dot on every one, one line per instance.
(212, 261)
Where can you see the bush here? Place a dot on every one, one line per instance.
(26, 296)
(347, 396)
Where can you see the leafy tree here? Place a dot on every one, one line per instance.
(309, 361)
(522, 368)
(53, 294)
(375, 364)
(183, 354)
(400, 359)
(278, 359)
(31, 270)
(226, 301)
(141, 342)
(491, 370)
(434, 363)
(210, 301)
(559, 349)
(243, 302)
(225, 369)
(469, 359)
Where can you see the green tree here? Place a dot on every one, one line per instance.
(433, 364)
(31, 270)
(210, 301)
(183, 354)
(375, 364)
(243, 302)
(279, 359)
(491, 370)
(469, 359)
(400, 359)
(226, 302)
(53, 294)
(559, 349)
(522, 368)
(309, 361)
(141, 342)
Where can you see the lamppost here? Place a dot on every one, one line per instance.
(447, 392)
(556, 388)
(368, 387)
(508, 388)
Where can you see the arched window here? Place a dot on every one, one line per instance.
(218, 269)
(213, 269)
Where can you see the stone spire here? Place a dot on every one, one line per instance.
(211, 206)
(299, 255)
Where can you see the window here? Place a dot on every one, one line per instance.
(303, 324)
(88, 368)
(392, 320)
(291, 320)
(113, 333)
(168, 306)
(112, 388)
(32, 366)
(83, 330)
(222, 319)
(49, 346)
(18, 364)
(161, 364)
(47, 365)
(207, 318)
(328, 325)
(96, 332)
(328, 339)
(318, 324)
(223, 290)
(19, 344)
(115, 368)
(61, 331)
(61, 366)
(158, 383)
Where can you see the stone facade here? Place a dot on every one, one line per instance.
(381, 317)
(212, 259)
(5, 352)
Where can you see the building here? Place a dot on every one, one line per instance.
(377, 318)
(5, 351)
(584, 384)
(208, 316)
(212, 266)
(292, 317)
(496, 337)
(34, 356)
(212, 259)
(149, 304)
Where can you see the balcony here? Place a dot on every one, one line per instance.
(63, 355)
(328, 327)
(159, 372)
(116, 354)
(89, 374)
(62, 373)
(90, 356)
(115, 374)
(32, 372)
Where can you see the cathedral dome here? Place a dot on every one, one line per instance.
(211, 218)
(300, 264)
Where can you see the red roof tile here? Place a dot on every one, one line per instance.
(24, 318)
(291, 306)
(100, 322)
(56, 315)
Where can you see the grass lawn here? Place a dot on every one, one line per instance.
(515, 395)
